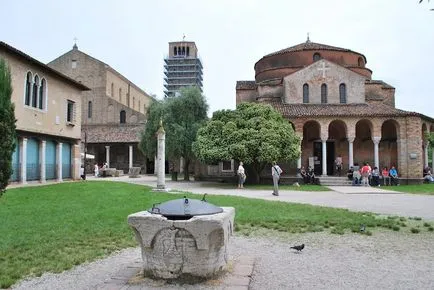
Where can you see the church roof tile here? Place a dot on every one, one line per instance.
(338, 110)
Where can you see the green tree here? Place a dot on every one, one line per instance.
(148, 140)
(182, 117)
(253, 133)
(7, 126)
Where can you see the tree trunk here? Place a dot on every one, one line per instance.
(186, 173)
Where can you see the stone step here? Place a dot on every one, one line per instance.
(334, 181)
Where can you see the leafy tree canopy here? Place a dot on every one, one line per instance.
(182, 117)
(7, 126)
(253, 133)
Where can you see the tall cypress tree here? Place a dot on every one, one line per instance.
(7, 126)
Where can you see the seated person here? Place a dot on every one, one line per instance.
(385, 175)
(428, 176)
(393, 173)
(357, 177)
(375, 176)
(311, 175)
(303, 174)
(350, 173)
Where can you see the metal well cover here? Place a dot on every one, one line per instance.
(185, 207)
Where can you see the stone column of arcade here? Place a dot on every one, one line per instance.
(350, 151)
(376, 156)
(324, 157)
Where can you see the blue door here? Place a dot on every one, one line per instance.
(50, 160)
(33, 159)
(16, 163)
(66, 160)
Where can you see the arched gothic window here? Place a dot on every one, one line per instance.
(120, 94)
(89, 109)
(28, 89)
(35, 92)
(305, 93)
(42, 94)
(316, 56)
(123, 117)
(343, 93)
(112, 90)
(323, 94)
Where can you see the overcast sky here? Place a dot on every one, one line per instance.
(397, 38)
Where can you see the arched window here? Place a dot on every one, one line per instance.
(112, 90)
(123, 117)
(42, 94)
(188, 50)
(28, 89)
(138, 106)
(174, 50)
(305, 93)
(316, 56)
(323, 94)
(89, 109)
(183, 50)
(343, 93)
(361, 62)
(120, 94)
(179, 50)
(35, 92)
(134, 102)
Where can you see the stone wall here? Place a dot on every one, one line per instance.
(313, 76)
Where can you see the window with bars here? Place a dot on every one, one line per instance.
(343, 93)
(70, 112)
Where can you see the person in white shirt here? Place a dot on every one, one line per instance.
(96, 170)
(241, 175)
(275, 173)
(82, 175)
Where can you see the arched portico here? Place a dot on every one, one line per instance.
(389, 145)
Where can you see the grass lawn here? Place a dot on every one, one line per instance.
(426, 188)
(54, 227)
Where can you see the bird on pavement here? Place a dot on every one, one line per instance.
(298, 248)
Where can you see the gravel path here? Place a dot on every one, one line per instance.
(387, 260)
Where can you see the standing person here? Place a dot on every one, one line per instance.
(241, 175)
(82, 174)
(365, 171)
(96, 170)
(338, 163)
(275, 173)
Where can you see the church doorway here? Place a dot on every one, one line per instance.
(317, 153)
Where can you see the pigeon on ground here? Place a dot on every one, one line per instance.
(362, 228)
(298, 248)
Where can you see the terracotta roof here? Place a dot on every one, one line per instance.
(308, 45)
(246, 85)
(339, 110)
(36, 62)
(116, 133)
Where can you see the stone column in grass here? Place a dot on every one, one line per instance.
(161, 154)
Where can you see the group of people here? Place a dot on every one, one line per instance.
(308, 176)
(366, 175)
(276, 171)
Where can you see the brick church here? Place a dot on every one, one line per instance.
(334, 105)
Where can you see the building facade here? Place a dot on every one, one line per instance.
(183, 67)
(113, 112)
(48, 112)
(327, 93)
